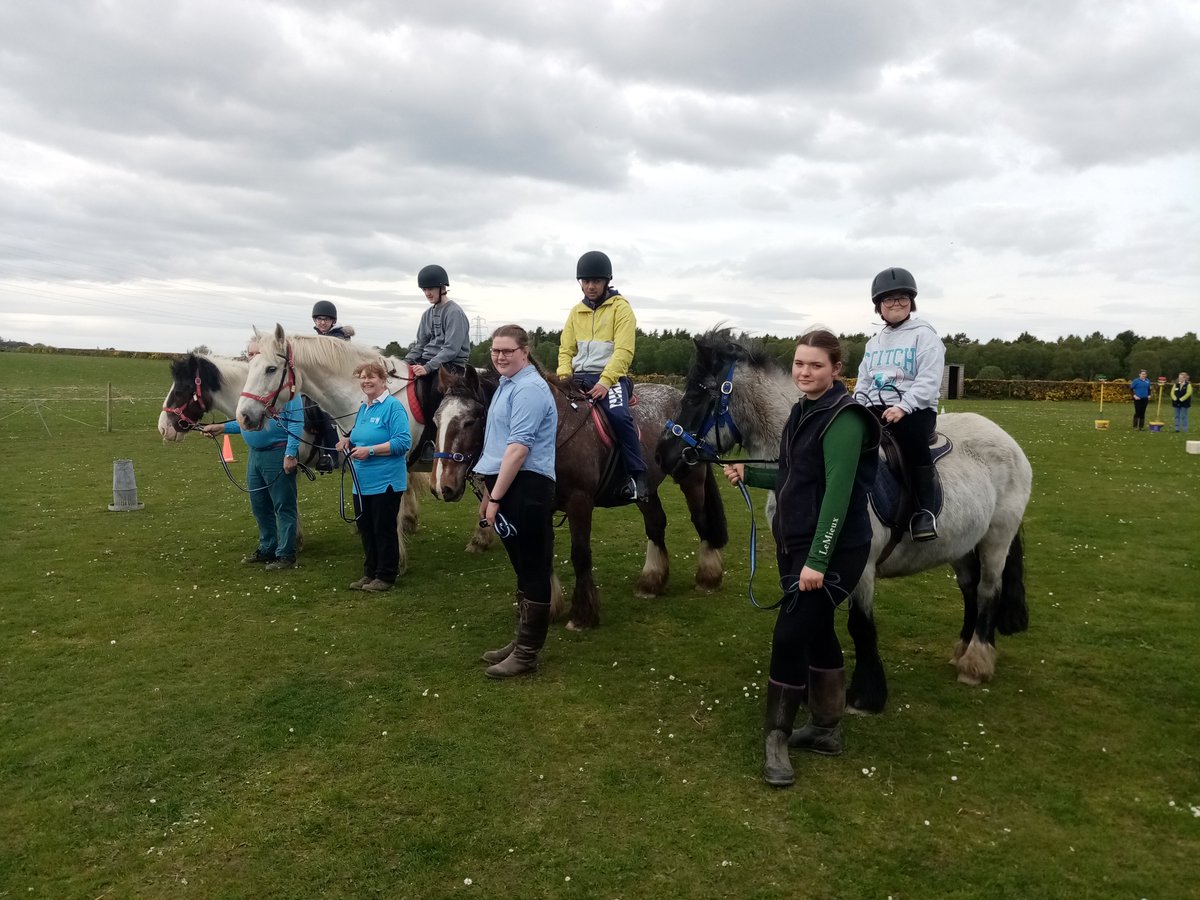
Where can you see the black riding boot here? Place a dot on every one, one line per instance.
(531, 637)
(826, 705)
(491, 657)
(783, 701)
(923, 524)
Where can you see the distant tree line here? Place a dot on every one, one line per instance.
(1065, 359)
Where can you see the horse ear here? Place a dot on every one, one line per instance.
(280, 335)
(472, 378)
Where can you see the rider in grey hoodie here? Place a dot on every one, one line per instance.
(900, 379)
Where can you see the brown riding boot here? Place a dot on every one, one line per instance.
(531, 637)
(783, 700)
(826, 705)
(491, 657)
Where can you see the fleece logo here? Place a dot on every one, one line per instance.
(375, 420)
(904, 357)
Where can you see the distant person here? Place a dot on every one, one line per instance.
(377, 444)
(1139, 388)
(271, 479)
(828, 455)
(517, 465)
(1181, 399)
(596, 351)
(324, 316)
(443, 342)
(900, 380)
(319, 422)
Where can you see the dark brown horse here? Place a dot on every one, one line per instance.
(580, 466)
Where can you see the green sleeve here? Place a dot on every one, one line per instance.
(842, 446)
(762, 477)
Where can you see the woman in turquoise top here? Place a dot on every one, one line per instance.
(271, 480)
(377, 445)
(822, 528)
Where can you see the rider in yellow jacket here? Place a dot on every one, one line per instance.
(596, 351)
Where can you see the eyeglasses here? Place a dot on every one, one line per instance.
(322, 318)
(502, 353)
(895, 301)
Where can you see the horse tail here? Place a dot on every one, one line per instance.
(1012, 613)
(714, 512)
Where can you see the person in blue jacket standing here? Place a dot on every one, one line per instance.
(1140, 389)
(377, 445)
(271, 480)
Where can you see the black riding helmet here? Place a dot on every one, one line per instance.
(594, 264)
(891, 281)
(324, 308)
(432, 277)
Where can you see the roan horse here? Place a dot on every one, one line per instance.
(736, 395)
(323, 369)
(579, 469)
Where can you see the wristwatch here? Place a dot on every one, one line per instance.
(370, 451)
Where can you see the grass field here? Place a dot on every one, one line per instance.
(175, 724)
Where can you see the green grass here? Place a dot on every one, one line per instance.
(169, 716)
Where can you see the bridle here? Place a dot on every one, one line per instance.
(187, 422)
(717, 417)
(286, 380)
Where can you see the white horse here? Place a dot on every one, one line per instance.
(323, 369)
(737, 395)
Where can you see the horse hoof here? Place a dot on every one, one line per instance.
(643, 594)
(571, 626)
(973, 681)
(475, 548)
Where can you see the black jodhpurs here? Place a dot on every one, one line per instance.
(528, 508)
(804, 632)
(912, 434)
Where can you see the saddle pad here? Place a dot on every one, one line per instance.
(890, 498)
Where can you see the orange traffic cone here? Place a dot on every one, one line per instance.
(227, 450)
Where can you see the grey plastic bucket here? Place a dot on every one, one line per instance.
(124, 487)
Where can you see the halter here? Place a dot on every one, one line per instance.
(717, 416)
(178, 411)
(287, 380)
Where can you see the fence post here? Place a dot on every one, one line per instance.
(108, 408)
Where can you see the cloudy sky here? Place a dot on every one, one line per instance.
(172, 172)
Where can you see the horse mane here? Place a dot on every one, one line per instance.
(328, 353)
(184, 370)
(719, 345)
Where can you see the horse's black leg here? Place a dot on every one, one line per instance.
(966, 573)
(585, 602)
(868, 685)
(708, 518)
(977, 662)
(653, 580)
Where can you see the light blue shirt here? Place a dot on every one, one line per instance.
(383, 421)
(522, 412)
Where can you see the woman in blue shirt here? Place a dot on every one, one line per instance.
(377, 444)
(1140, 389)
(517, 465)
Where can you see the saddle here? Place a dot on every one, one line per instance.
(892, 494)
(609, 490)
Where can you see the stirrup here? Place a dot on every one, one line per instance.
(919, 537)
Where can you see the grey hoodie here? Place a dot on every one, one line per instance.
(902, 366)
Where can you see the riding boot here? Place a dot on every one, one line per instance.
(783, 700)
(491, 657)
(531, 637)
(923, 524)
(826, 705)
